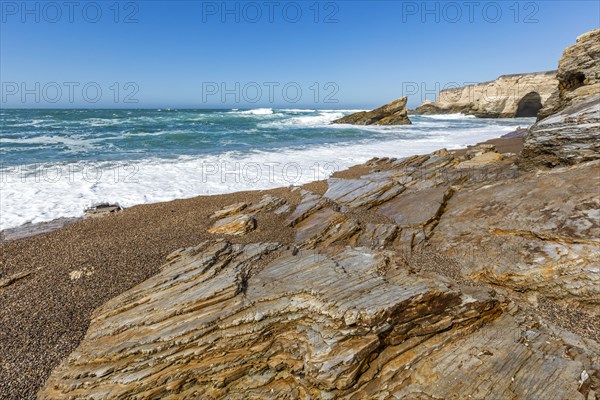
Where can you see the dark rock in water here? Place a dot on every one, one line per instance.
(393, 113)
(102, 209)
(567, 138)
(578, 74)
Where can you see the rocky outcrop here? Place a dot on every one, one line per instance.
(538, 235)
(230, 220)
(259, 322)
(343, 312)
(393, 113)
(570, 137)
(578, 74)
(517, 95)
(235, 225)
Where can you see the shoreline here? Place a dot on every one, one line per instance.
(29, 230)
(63, 275)
(59, 275)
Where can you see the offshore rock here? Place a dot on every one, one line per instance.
(393, 113)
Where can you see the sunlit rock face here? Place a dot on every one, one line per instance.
(393, 113)
(256, 321)
(417, 278)
(578, 74)
(517, 95)
(569, 137)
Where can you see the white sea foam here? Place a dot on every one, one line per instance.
(323, 118)
(97, 122)
(258, 111)
(35, 122)
(297, 110)
(157, 133)
(45, 192)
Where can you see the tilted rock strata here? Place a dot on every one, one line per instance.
(393, 113)
(570, 137)
(235, 225)
(256, 321)
(506, 97)
(533, 234)
(230, 221)
(229, 210)
(529, 231)
(578, 74)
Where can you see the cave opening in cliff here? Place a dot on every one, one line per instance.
(529, 105)
(573, 80)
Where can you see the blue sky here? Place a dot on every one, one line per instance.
(292, 54)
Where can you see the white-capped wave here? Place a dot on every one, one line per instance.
(105, 121)
(34, 122)
(258, 111)
(321, 119)
(298, 110)
(157, 133)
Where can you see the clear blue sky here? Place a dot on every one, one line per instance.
(180, 53)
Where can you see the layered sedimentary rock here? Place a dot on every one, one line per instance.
(569, 137)
(517, 95)
(393, 113)
(258, 322)
(341, 314)
(578, 74)
(537, 235)
(235, 225)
